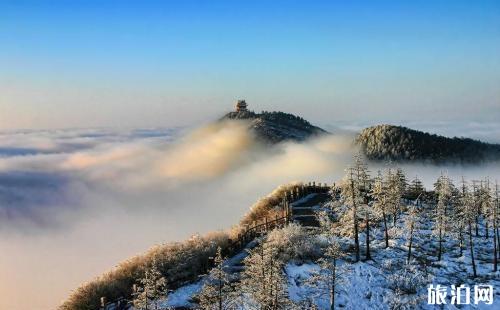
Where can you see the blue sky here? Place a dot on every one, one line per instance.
(146, 63)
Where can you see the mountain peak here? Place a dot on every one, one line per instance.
(390, 142)
(274, 127)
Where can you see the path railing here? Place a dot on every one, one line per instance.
(283, 218)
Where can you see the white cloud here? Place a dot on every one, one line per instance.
(85, 199)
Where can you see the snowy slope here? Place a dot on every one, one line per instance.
(377, 283)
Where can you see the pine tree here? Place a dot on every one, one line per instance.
(326, 279)
(416, 188)
(395, 193)
(364, 184)
(380, 202)
(459, 223)
(362, 177)
(351, 196)
(486, 205)
(490, 212)
(325, 223)
(496, 239)
(401, 177)
(456, 223)
(469, 212)
(444, 192)
(476, 195)
(367, 213)
(411, 224)
(263, 278)
(152, 289)
(215, 293)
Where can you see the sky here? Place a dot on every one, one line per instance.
(126, 80)
(176, 63)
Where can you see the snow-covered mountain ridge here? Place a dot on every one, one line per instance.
(397, 143)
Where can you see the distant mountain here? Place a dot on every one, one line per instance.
(387, 142)
(275, 127)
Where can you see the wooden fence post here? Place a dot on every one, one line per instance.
(287, 212)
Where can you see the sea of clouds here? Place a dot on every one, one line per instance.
(75, 202)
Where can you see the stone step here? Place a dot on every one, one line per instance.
(303, 211)
(306, 220)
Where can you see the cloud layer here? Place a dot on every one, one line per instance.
(75, 202)
(81, 200)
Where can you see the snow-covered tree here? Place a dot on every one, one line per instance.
(325, 280)
(363, 182)
(416, 188)
(152, 289)
(216, 291)
(359, 183)
(469, 213)
(411, 225)
(351, 195)
(487, 204)
(263, 279)
(380, 202)
(458, 223)
(325, 224)
(395, 190)
(494, 219)
(444, 193)
(362, 176)
(476, 198)
(401, 177)
(367, 212)
(490, 212)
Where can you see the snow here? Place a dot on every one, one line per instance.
(182, 297)
(302, 200)
(297, 275)
(386, 281)
(367, 285)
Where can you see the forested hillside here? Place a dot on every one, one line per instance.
(387, 142)
(275, 127)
